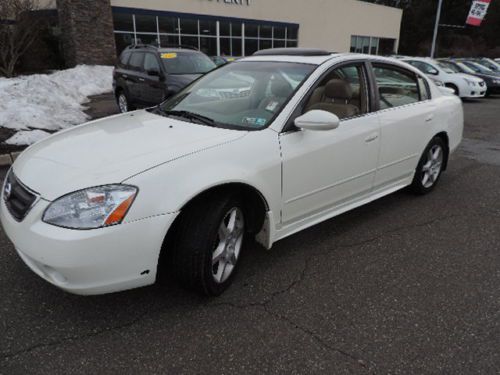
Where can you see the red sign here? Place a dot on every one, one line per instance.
(477, 12)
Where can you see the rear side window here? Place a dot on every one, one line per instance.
(124, 59)
(396, 87)
(151, 63)
(135, 61)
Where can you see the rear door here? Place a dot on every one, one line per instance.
(152, 87)
(406, 114)
(136, 76)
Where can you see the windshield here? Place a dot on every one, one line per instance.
(493, 65)
(246, 95)
(481, 68)
(448, 68)
(465, 68)
(186, 62)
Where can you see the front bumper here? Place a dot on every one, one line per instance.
(88, 262)
(475, 92)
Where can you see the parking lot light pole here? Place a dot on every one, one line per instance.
(436, 29)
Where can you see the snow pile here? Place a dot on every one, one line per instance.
(39, 103)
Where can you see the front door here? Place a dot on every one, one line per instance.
(326, 170)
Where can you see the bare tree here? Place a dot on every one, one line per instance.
(19, 29)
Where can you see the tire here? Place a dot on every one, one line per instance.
(123, 102)
(208, 244)
(430, 167)
(454, 88)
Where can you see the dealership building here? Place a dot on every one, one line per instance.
(95, 31)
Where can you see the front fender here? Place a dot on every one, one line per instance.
(254, 160)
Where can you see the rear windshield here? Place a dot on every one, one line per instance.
(186, 62)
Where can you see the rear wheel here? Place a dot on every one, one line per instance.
(209, 243)
(430, 167)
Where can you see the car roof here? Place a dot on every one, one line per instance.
(321, 59)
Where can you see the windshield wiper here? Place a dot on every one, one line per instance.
(187, 115)
(191, 116)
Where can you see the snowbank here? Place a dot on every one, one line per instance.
(49, 101)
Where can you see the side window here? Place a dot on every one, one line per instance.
(396, 87)
(135, 61)
(342, 92)
(424, 67)
(151, 63)
(423, 88)
(124, 59)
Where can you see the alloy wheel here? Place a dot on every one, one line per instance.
(122, 103)
(230, 240)
(432, 166)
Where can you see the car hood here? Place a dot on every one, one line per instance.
(470, 77)
(111, 150)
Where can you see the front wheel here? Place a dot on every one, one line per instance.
(209, 243)
(430, 167)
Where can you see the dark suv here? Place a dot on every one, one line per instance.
(147, 75)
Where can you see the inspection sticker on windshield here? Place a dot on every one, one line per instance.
(271, 107)
(171, 55)
(256, 121)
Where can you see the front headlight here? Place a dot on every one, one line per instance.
(91, 208)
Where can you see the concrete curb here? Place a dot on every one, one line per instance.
(7, 159)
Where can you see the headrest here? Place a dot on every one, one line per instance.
(338, 89)
(280, 88)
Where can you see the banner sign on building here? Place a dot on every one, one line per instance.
(477, 12)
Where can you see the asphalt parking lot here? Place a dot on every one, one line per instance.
(405, 285)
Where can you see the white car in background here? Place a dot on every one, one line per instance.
(177, 189)
(463, 85)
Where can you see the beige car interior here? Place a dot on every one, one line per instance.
(337, 95)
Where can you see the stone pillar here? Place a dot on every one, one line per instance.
(87, 32)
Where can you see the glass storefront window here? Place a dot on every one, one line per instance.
(208, 27)
(251, 46)
(251, 30)
(265, 44)
(279, 44)
(189, 26)
(372, 45)
(168, 24)
(145, 23)
(236, 44)
(236, 29)
(279, 32)
(147, 39)
(170, 31)
(225, 46)
(266, 31)
(123, 22)
(123, 40)
(208, 46)
(190, 41)
(225, 28)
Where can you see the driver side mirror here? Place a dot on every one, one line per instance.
(317, 120)
(434, 72)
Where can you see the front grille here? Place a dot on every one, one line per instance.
(18, 198)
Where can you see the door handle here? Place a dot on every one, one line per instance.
(124, 76)
(429, 118)
(371, 138)
(141, 79)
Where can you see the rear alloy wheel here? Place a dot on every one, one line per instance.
(209, 243)
(430, 167)
(123, 102)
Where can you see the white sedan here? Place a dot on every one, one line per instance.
(462, 84)
(177, 189)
